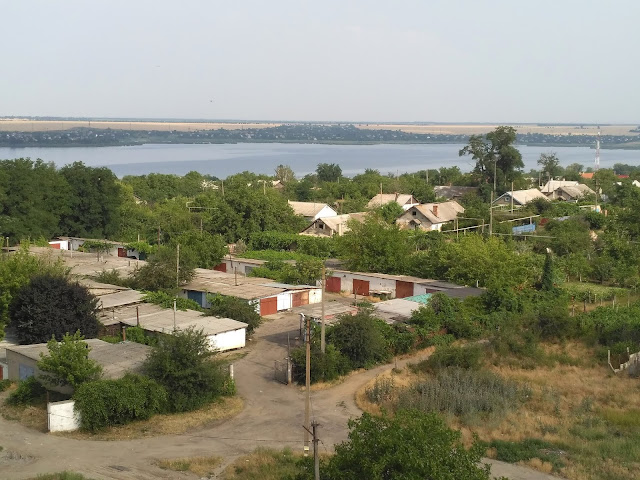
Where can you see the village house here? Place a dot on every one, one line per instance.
(429, 216)
(520, 197)
(406, 201)
(330, 226)
(570, 191)
(311, 210)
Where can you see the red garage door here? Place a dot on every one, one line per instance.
(361, 287)
(297, 299)
(333, 284)
(55, 245)
(404, 289)
(221, 268)
(122, 252)
(268, 306)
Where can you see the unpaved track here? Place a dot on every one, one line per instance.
(273, 416)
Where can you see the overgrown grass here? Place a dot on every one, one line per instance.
(526, 450)
(61, 476)
(464, 393)
(592, 292)
(268, 464)
(4, 384)
(202, 466)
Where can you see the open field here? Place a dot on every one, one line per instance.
(470, 129)
(26, 125)
(587, 416)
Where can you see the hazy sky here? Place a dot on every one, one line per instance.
(422, 60)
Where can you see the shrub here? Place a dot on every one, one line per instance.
(463, 393)
(166, 301)
(28, 392)
(524, 450)
(138, 335)
(104, 403)
(362, 338)
(468, 357)
(181, 362)
(4, 384)
(235, 308)
(324, 367)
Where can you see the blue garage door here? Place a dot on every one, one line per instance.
(195, 296)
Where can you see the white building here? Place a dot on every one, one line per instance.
(312, 210)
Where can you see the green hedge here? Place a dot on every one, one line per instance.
(315, 246)
(103, 403)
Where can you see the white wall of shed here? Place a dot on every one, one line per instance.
(315, 295)
(62, 417)
(228, 340)
(64, 244)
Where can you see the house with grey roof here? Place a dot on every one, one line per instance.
(406, 201)
(429, 216)
(312, 210)
(520, 197)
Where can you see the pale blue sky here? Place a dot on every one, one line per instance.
(421, 60)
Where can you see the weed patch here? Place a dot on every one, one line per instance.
(202, 466)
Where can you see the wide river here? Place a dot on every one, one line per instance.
(222, 160)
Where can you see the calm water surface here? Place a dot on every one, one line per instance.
(222, 160)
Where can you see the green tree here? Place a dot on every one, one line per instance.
(68, 362)
(362, 338)
(52, 306)
(497, 160)
(375, 246)
(328, 172)
(183, 364)
(94, 201)
(285, 174)
(411, 445)
(547, 283)
(550, 165)
(159, 272)
(16, 271)
(390, 211)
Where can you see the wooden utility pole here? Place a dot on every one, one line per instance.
(511, 197)
(322, 327)
(178, 266)
(491, 215)
(316, 454)
(307, 404)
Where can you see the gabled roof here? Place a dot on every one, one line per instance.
(587, 175)
(337, 223)
(577, 191)
(553, 185)
(453, 191)
(522, 197)
(401, 199)
(307, 209)
(446, 211)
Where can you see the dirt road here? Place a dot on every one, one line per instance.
(273, 416)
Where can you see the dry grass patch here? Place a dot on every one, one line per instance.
(268, 464)
(169, 424)
(202, 466)
(34, 417)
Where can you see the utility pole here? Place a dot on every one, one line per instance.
(158, 234)
(511, 197)
(316, 454)
(491, 215)
(174, 314)
(322, 328)
(307, 404)
(178, 266)
(495, 173)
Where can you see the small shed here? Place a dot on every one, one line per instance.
(223, 333)
(116, 359)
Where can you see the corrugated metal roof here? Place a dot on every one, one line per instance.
(248, 288)
(126, 297)
(307, 209)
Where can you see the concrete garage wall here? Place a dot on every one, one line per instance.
(62, 417)
(228, 340)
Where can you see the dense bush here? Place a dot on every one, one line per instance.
(28, 392)
(514, 452)
(608, 326)
(324, 367)
(104, 403)
(315, 246)
(362, 338)
(182, 363)
(4, 384)
(235, 308)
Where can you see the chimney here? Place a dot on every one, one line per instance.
(435, 210)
